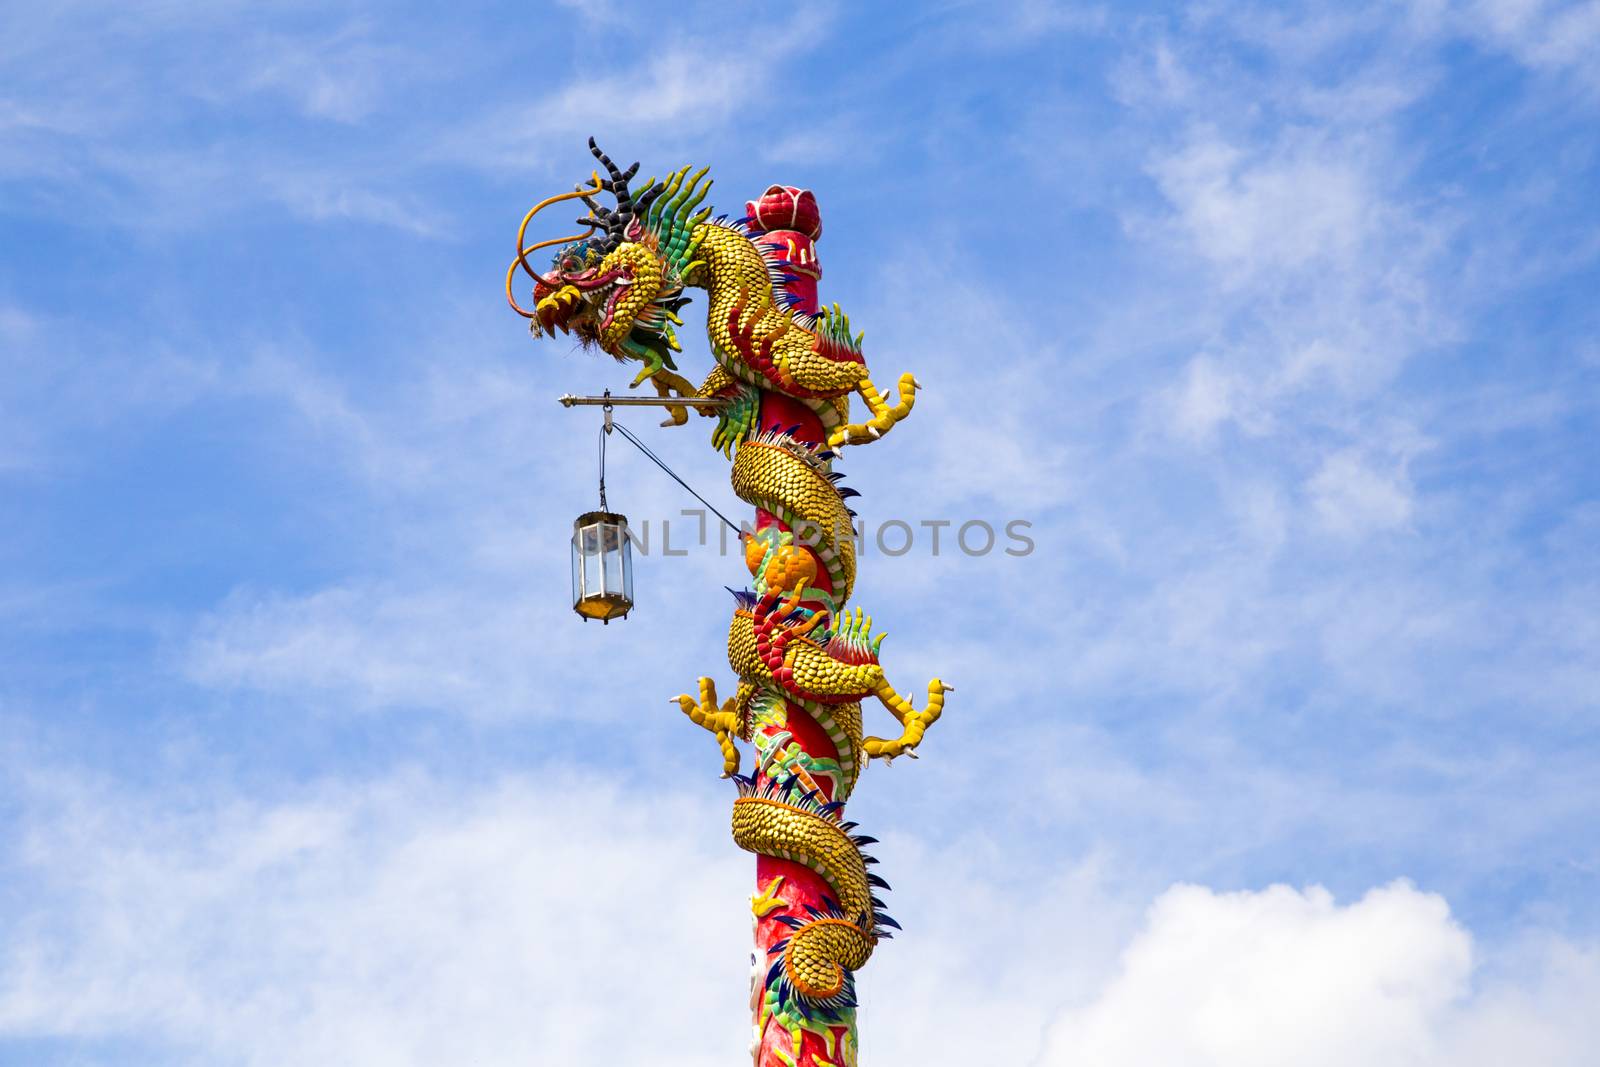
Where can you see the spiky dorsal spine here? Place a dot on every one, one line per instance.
(832, 327)
(673, 218)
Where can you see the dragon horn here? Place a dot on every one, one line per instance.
(652, 190)
(619, 180)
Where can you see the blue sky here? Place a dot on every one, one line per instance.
(1277, 322)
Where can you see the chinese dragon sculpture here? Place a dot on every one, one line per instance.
(786, 369)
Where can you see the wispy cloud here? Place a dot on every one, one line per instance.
(677, 84)
(1351, 497)
(400, 922)
(1556, 36)
(409, 920)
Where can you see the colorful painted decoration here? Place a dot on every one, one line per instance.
(804, 661)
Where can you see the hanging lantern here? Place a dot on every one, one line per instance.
(602, 566)
(602, 558)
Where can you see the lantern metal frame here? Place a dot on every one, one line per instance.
(602, 566)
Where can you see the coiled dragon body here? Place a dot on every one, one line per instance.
(786, 369)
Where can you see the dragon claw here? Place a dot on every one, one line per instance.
(725, 722)
(768, 901)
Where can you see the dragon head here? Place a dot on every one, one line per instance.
(620, 285)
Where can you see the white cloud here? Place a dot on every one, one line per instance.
(1555, 36)
(404, 922)
(1025, 21)
(490, 646)
(1312, 269)
(1205, 399)
(16, 325)
(330, 196)
(1299, 204)
(135, 133)
(1309, 268)
(681, 85)
(1352, 497)
(342, 75)
(1257, 979)
(1535, 1007)
(58, 384)
(591, 11)
(817, 143)
(410, 920)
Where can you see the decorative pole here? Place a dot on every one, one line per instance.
(780, 392)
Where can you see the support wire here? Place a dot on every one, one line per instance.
(642, 447)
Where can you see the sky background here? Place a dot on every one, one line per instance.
(1277, 322)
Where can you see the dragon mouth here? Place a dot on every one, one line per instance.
(554, 309)
(588, 279)
(578, 303)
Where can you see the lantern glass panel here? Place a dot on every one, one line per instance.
(577, 570)
(616, 556)
(626, 558)
(594, 562)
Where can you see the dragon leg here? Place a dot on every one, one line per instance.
(884, 414)
(654, 353)
(725, 722)
(914, 722)
(672, 384)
